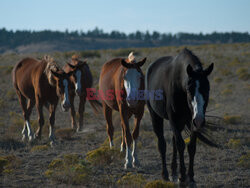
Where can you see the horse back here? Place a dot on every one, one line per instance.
(110, 80)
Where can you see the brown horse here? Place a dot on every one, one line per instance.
(81, 80)
(40, 83)
(123, 79)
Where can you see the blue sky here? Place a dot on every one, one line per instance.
(127, 15)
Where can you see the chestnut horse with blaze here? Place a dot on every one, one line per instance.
(80, 80)
(40, 83)
(125, 78)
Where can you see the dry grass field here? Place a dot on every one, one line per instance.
(84, 159)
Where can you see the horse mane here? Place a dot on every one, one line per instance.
(51, 65)
(197, 66)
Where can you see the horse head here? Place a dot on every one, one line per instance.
(62, 87)
(133, 78)
(77, 75)
(198, 94)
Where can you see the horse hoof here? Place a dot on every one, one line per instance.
(111, 144)
(174, 178)
(127, 166)
(182, 182)
(53, 144)
(136, 163)
(24, 138)
(79, 129)
(31, 138)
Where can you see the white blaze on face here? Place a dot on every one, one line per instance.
(78, 80)
(66, 93)
(132, 82)
(198, 103)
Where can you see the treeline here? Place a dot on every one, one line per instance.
(12, 39)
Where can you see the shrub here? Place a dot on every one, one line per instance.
(132, 180)
(9, 163)
(70, 170)
(160, 184)
(225, 72)
(217, 79)
(103, 156)
(232, 119)
(90, 54)
(244, 161)
(11, 94)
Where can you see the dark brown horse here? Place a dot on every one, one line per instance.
(81, 80)
(120, 81)
(40, 83)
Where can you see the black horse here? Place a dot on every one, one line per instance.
(185, 90)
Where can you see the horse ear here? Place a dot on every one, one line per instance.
(71, 66)
(142, 62)
(190, 70)
(127, 65)
(55, 74)
(208, 70)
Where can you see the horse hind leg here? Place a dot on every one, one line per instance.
(110, 127)
(26, 108)
(158, 129)
(52, 110)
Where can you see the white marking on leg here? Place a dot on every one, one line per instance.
(198, 102)
(24, 132)
(30, 134)
(111, 144)
(134, 154)
(78, 80)
(128, 158)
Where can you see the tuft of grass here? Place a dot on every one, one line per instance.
(9, 163)
(2, 103)
(90, 54)
(226, 92)
(244, 161)
(39, 148)
(234, 143)
(70, 170)
(132, 180)
(11, 94)
(103, 156)
(160, 184)
(217, 79)
(243, 74)
(225, 72)
(232, 119)
(65, 133)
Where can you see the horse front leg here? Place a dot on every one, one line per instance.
(39, 108)
(135, 136)
(81, 111)
(52, 110)
(174, 161)
(128, 137)
(191, 152)
(109, 124)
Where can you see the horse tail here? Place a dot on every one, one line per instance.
(96, 106)
(207, 141)
(14, 70)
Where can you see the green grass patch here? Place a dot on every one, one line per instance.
(65, 133)
(132, 180)
(226, 92)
